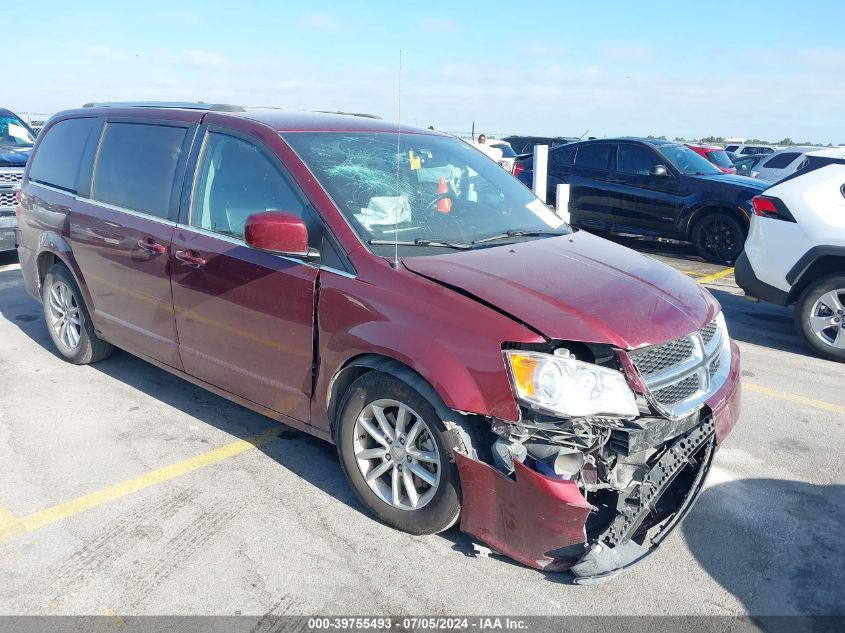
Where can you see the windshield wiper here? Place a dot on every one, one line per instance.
(519, 233)
(422, 242)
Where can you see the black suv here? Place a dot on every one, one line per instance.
(653, 188)
(16, 140)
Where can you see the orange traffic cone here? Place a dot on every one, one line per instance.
(444, 205)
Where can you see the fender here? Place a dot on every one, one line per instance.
(455, 384)
(53, 243)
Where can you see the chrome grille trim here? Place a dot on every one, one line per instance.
(675, 386)
(10, 183)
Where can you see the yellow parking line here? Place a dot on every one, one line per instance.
(94, 499)
(791, 397)
(715, 276)
(7, 519)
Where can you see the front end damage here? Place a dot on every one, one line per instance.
(597, 495)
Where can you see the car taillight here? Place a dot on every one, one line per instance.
(518, 169)
(770, 207)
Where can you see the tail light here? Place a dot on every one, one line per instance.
(770, 207)
(518, 168)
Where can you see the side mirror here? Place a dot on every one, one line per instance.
(278, 232)
(661, 171)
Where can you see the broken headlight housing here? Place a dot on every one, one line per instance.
(564, 386)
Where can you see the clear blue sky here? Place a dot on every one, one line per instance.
(759, 69)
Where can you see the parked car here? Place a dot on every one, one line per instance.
(795, 253)
(744, 149)
(746, 165)
(508, 157)
(781, 163)
(715, 155)
(471, 356)
(654, 188)
(16, 140)
(525, 144)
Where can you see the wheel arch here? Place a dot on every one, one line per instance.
(813, 266)
(707, 208)
(362, 364)
(54, 249)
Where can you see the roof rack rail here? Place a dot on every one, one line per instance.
(361, 114)
(184, 105)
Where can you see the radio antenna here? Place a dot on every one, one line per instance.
(397, 206)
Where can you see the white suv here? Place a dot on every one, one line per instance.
(795, 251)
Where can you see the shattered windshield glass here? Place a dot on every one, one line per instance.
(440, 193)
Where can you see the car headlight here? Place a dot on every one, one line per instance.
(569, 387)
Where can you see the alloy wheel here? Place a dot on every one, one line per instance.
(64, 315)
(827, 318)
(717, 238)
(396, 453)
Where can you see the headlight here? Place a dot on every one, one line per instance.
(569, 387)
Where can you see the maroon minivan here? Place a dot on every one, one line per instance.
(393, 291)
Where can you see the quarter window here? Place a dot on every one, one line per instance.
(234, 180)
(636, 160)
(779, 161)
(59, 157)
(594, 156)
(136, 167)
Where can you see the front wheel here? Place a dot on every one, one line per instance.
(718, 237)
(820, 316)
(397, 455)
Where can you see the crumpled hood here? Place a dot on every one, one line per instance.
(578, 287)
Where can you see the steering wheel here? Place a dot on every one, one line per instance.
(441, 196)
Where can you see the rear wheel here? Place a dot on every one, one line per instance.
(820, 316)
(718, 237)
(67, 319)
(396, 453)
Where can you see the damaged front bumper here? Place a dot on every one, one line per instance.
(547, 523)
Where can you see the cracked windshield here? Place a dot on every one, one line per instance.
(444, 194)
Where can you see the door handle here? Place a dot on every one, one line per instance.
(151, 247)
(189, 258)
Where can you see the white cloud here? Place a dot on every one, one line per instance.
(438, 25)
(628, 53)
(320, 22)
(204, 59)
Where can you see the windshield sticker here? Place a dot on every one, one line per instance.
(18, 132)
(544, 213)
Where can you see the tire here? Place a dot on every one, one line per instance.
(718, 237)
(823, 303)
(438, 505)
(68, 321)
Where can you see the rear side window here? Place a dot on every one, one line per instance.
(637, 160)
(731, 148)
(779, 161)
(595, 156)
(562, 157)
(719, 157)
(136, 166)
(59, 157)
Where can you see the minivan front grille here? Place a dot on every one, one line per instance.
(11, 176)
(10, 179)
(681, 374)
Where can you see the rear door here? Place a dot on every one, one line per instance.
(245, 317)
(591, 195)
(121, 232)
(645, 203)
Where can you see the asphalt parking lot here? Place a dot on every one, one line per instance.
(124, 490)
